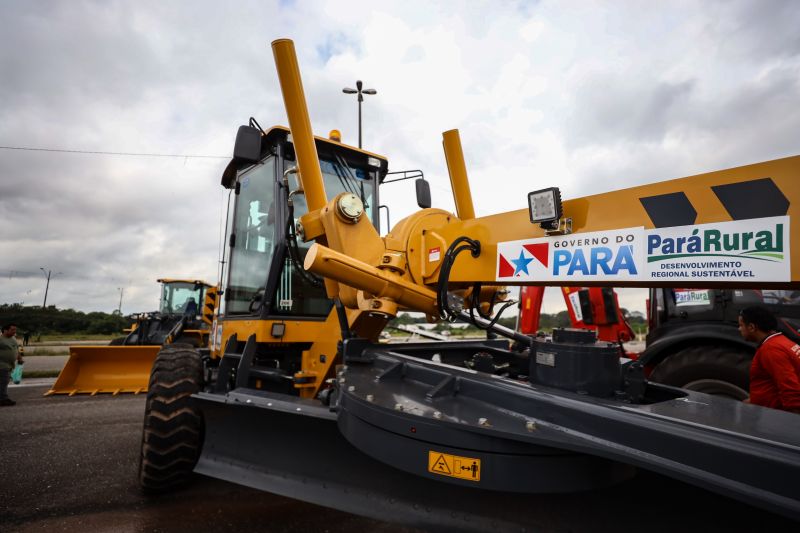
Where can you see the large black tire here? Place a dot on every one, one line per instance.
(188, 340)
(719, 370)
(173, 427)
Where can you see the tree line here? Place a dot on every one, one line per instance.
(36, 320)
(547, 321)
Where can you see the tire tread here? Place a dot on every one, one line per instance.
(173, 427)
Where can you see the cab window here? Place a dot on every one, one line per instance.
(304, 295)
(254, 231)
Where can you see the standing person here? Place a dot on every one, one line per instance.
(775, 370)
(9, 353)
(26, 337)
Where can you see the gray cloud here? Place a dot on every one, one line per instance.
(612, 109)
(597, 97)
(755, 31)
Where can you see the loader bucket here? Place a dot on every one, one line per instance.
(105, 369)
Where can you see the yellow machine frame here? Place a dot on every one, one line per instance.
(376, 276)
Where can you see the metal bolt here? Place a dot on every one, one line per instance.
(342, 381)
(249, 401)
(398, 407)
(376, 304)
(269, 404)
(370, 397)
(437, 414)
(298, 409)
(351, 388)
(530, 425)
(483, 422)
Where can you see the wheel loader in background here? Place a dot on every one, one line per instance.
(306, 403)
(184, 316)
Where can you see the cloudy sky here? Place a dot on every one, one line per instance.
(589, 96)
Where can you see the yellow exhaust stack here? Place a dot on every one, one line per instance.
(294, 98)
(457, 169)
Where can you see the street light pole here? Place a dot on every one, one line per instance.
(360, 92)
(121, 291)
(46, 287)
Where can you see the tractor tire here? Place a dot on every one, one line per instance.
(187, 340)
(718, 370)
(173, 427)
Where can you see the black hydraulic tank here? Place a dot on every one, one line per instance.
(573, 360)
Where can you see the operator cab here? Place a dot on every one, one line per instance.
(265, 277)
(181, 297)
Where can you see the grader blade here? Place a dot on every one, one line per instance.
(293, 447)
(105, 370)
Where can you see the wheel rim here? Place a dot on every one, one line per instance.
(717, 388)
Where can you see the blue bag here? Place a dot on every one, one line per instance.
(16, 374)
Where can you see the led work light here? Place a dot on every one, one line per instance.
(545, 207)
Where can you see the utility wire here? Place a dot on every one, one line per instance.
(98, 152)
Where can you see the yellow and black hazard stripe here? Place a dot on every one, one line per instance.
(744, 200)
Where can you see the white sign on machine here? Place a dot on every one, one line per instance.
(616, 255)
(742, 250)
(754, 250)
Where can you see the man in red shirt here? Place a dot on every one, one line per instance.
(775, 371)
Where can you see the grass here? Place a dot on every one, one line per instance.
(47, 351)
(53, 337)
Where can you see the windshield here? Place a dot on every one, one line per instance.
(339, 177)
(181, 298)
(254, 238)
(300, 295)
(769, 297)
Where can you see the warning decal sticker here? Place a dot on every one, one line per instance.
(454, 466)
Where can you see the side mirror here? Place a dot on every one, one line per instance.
(248, 145)
(247, 150)
(423, 193)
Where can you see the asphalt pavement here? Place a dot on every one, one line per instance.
(70, 464)
(44, 363)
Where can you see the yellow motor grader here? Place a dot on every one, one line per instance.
(305, 402)
(184, 316)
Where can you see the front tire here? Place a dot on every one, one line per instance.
(173, 427)
(718, 370)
